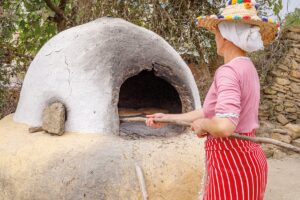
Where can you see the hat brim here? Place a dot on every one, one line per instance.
(268, 30)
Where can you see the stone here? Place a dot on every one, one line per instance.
(281, 94)
(295, 130)
(287, 60)
(296, 142)
(282, 120)
(266, 124)
(293, 116)
(35, 129)
(270, 96)
(293, 36)
(295, 45)
(294, 79)
(279, 108)
(276, 73)
(262, 133)
(283, 67)
(281, 137)
(265, 129)
(263, 114)
(288, 104)
(295, 88)
(278, 154)
(54, 119)
(290, 97)
(263, 118)
(295, 65)
(264, 106)
(295, 51)
(291, 110)
(295, 74)
(268, 150)
(281, 130)
(279, 86)
(269, 91)
(294, 29)
(296, 96)
(282, 81)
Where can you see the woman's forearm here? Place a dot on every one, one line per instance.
(189, 116)
(218, 127)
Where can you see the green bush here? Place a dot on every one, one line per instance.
(293, 19)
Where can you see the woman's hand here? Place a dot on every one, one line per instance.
(150, 122)
(198, 127)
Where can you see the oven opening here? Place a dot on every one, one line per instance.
(143, 94)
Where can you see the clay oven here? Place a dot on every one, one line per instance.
(104, 69)
(100, 71)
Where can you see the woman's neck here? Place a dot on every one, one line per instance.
(233, 52)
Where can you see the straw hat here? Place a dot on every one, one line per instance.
(242, 11)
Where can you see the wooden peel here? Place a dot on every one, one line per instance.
(132, 112)
(258, 140)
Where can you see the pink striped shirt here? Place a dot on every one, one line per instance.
(235, 94)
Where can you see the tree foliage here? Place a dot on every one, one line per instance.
(293, 19)
(27, 24)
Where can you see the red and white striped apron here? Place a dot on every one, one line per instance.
(236, 169)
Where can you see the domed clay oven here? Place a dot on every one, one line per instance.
(101, 71)
(96, 67)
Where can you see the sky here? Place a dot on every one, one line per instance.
(289, 6)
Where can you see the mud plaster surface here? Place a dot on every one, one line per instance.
(96, 166)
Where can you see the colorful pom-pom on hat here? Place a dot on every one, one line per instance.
(242, 11)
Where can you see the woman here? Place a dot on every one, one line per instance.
(236, 169)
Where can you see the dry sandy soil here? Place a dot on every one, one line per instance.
(284, 179)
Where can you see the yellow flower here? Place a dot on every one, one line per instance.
(248, 5)
(228, 17)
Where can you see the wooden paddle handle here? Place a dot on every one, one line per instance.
(258, 140)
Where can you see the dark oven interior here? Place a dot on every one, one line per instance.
(146, 93)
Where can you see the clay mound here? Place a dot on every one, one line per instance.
(93, 166)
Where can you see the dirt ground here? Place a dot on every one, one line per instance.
(284, 178)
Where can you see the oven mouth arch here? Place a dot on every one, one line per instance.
(172, 79)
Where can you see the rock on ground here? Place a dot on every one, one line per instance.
(54, 119)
